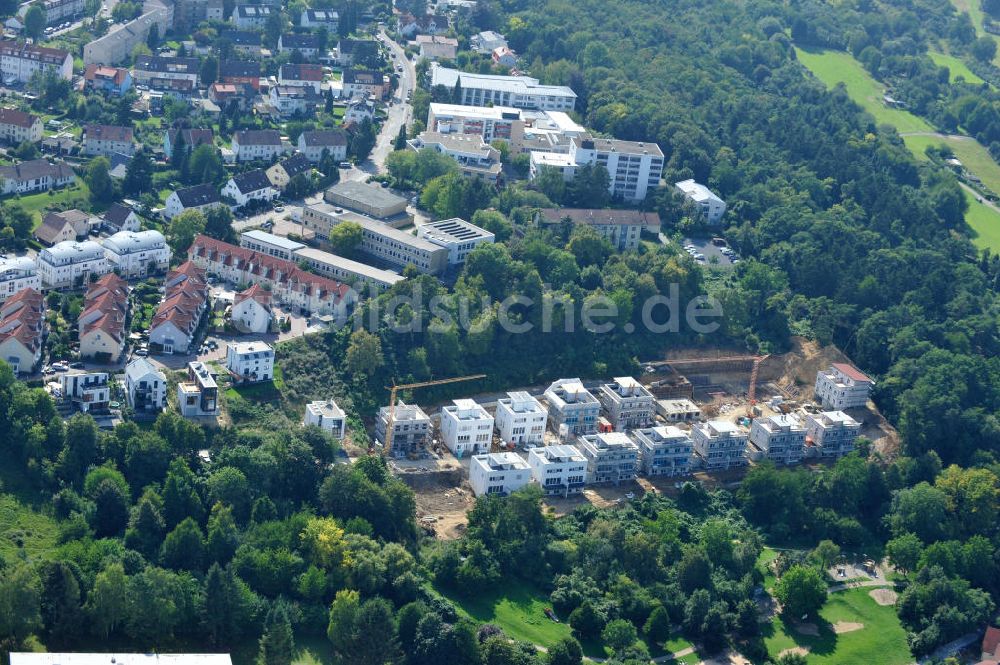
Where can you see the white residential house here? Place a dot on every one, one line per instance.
(257, 144)
(35, 175)
(456, 235)
(250, 186)
(17, 127)
(252, 311)
(498, 473)
(326, 415)
(119, 217)
(19, 61)
(106, 140)
(292, 100)
(320, 18)
(572, 405)
(312, 144)
(559, 470)
(358, 110)
(612, 457)
(71, 263)
(199, 394)
(710, 205)
(664, 451)
(281, 174)
(137, 254)
(466, 428)
(88, 391)
(521, 419)
(781, 438)
(411, 429)
(200, 197)
(250, 362)
(843, 386)
(720, 444)
(833, 433)
(17, 274)
(246, 17)
(627, 403)
(145, 387)
(503, 56)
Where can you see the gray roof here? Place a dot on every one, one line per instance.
(296, 164)
(292, 40)
(239, 68)
(117, 214)
(198, 195)
(242, 38)
(258, 137)
(324, 138)
(363, 192)
(128, 242)
(162, 65)
(34, 169)
(251, 181)
(140, 367)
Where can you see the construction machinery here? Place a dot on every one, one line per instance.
(387, 444)
(722, 363)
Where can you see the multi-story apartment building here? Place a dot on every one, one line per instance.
(347, 271)
(137, 253)
(17, 274)
(145, 387)
(320, 18)
(250, 362)
(781, 438)
(572, 405)
(313, 144)
(664, 451)
(559, 470)
(634, 167)
(498, 473)
(88, 391)
(843, 386)
(475, 157)
(306, 45)
(303, 75)
(185, 301)
(326, 415)
(17, 127)
(411, 429)
(248, 17)
(627, 403)
(20, 61)
(521, 419)
(36, 175)
(270, 244)
(710, 205)
(22, 330)
(257, 144)
(149, 67)
(71, 263)
(189, 13)
(612, 457)
(719, 444)
(199, 395)
(120, 41)
(521, 92)
(622, 228)
(101, 325)
(241, 72)
(364, 83)
(456, 235)
(56, 11)
(105, 140)
(466, 428)
(832, 432)
(379, 240)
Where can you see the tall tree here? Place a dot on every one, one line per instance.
(277, 644)
(138, 175)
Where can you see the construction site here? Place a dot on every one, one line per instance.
(721, 384)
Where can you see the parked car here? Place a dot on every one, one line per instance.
(77, 365)
(60, 367)
(141, 352)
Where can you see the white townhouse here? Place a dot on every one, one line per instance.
(250, 186)
(719, 444)
(466, 428)
(257, 144)
(137, 254)
(559, 470)
(16, 274)
(498, 473)
(521, 419)
(71, 263)
(707, 202)
(17, 127)
(252, 312)
(20, 61)
(612, 457)
(313, 144)
(88, 391)
(250, 362)
(833, 433)
(664, 451)
(200, 197)
(843, 386)
(781, 438)
(627, 403)
(145, 386)
(572, 405)
(326, 415)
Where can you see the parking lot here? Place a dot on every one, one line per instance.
(713, 254)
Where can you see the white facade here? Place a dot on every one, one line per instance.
(20, 61)
(70, 263)
(250, 362)
(572, 405)
(711, 206)
(843, 387)
(145, 386)
(200, 197)
(466, 428)
(456, 235)
(326, 415)
(781, 438)
(244, 188)
(521, 419)
(612, 457)
(634, 167)
(345, 270)
(832, 432)
(411, 428)
(312, 144)
(475, 157)
(89, 391)
(139, 254)
(559, 470)
(270, 244)
(517, 91)
(250, 146)
(720, 444)
(627, 403)
(498, 473)
(17, 274)
(252, 316)
(664, 451)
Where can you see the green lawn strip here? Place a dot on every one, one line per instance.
(833, 67)
(24, 533)
(312, 650)
(955, 67)
(256, 392)
(62, 199)
(984, 223)
(882, 639)
(767, 555)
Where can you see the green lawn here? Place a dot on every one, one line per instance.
(882, 639)
(955, 67)
(763, 562)
(985, 224)
(833, 67)
(974, 9)
(62, 199)
(24, 533)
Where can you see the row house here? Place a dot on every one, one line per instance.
(36, 175)
(559, 470)
(573, 406)
(664, 451)
(145, 387)
(250, 186)
(411, 429)
(627, 403)
(20, 61)
(257, 145)
(137, 253)
(105, 140)
(521, 419)
(17, 274)
(612, 457)
(498, 473)
(178, 315)
(18, 127)
(101, 324)
(22, 330)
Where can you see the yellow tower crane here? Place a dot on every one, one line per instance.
(387, 444)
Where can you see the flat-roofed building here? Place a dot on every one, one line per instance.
(627, 403)
(622, 228)
(492, 90)
(708, 204)
(664, 451)
(475, 157)
(832, 432)
(572, 405)
(456, 235)
(843, 386)
(149, 67)
(17, 274)
(366, 199)
(521, 419)
(720, 444)
(523, 129)
(466, 428)
(612, 457)
(781, 438)
(634, 167)
(411, 429)
(678, 410)
(326, 415)
(558, 470)
(88, 391)
(199, 394)
(250, 362)
(346, 270)
(498, 473)
(270, 244)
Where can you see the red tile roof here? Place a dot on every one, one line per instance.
(186, 294)
(22, 318)
(18, 118)
(105, 306)
(255, 292)
(851, 372)
(991, 641)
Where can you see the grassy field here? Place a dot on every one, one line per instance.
(882, 633)
(24, 533)
(974, 9)
(955, 67)
(833, 67)
(985, 224)
(62, 199)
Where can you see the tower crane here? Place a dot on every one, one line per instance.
(393, 389)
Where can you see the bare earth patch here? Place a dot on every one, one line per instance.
(847, 626)
(800, 651)
(730, 657)
(883, 596)
(807, 629)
